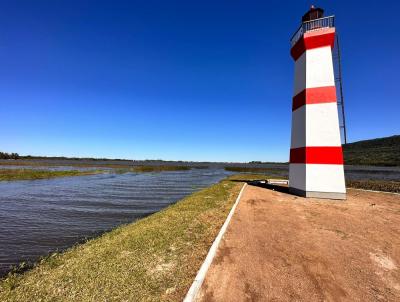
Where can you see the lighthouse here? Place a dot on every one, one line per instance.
(316, 158)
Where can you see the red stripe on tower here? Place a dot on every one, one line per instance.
(318, 38)
(315, 95)
(317, 155)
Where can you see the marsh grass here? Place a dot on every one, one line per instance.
(270, 171)
(248, 177)
(375, 185)
(159, 168)
(146, 169)
(31, 174)
(153, 259)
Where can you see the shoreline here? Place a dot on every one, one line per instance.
(155, 257)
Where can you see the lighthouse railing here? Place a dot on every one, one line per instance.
(312, 26)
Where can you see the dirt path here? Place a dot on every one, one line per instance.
(279, 247)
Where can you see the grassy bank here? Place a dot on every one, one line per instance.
(30, 174)
(375, 185)
(269, 171)
(246, 170)
(383, 151)
(154, 259)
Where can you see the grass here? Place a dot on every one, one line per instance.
(130, 167)
(254, 170)
(55, 163)
(159, 168)
(153, 259)
(146, 169)
(375, 185)
(249, 177)
(245, 169)
(378, 152)
(31, 174)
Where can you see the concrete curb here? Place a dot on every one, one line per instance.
(201, 274)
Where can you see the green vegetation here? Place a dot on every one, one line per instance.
(159, 168)
(248, 177)
(144, 169)
(30, 174)
(375, 185)
(153, 259)
(270, 171)
(246, 169)
(259, 162)
(377, 152)
(122, 167)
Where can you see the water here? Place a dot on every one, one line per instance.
(41, 216)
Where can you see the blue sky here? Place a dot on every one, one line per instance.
(180, 80)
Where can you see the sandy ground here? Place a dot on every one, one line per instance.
(279, 247)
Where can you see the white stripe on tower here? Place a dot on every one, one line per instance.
(316, 160)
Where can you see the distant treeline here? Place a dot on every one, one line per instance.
(5, 155)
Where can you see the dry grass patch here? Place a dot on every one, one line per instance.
(159, 168)
(31, 174)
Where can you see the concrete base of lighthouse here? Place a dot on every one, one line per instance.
(324, 195)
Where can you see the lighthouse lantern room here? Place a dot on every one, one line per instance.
(316, 158)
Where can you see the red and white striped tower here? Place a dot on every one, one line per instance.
(316, 159)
